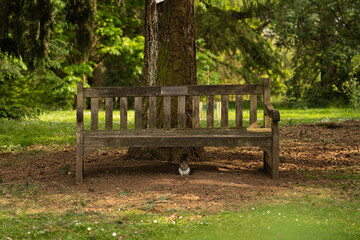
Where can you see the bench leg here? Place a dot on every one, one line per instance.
(275, 151)
(79, 159)
(271, 160)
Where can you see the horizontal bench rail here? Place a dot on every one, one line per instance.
(195, 90)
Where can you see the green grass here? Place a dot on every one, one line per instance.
(300, 219)
(58, 128)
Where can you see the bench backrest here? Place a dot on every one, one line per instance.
(152, 92)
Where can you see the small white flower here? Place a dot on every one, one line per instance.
(96, 222)
(173, 222)
(102, 229)
(279, 214)
(240, 216)
(180, 217)
(155, 221)
(252, 208)
(89, 228)
(141, 221)
(114, 234)
(297, 220)
(268, 212)
(28, 232)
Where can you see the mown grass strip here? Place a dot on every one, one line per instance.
(305, 220)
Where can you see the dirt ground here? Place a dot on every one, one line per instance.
(315, 158)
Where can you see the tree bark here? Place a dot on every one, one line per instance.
(169, 60)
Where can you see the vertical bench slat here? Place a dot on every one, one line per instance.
(266, 101)
(224, 110)
(239, 110)
(195, 112)
(253, 109)
(152, 112)
(167, 112)
(210, 112)
(138, 113)
(95, 113)
(123, 113)
(108, 113)
(181, 111)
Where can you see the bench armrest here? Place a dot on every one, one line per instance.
(271, 112)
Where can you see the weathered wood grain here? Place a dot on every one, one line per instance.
(138, 113)
(79, 134)
(253, 110)
(224, 110)
(123, 113)
(239, 111)
(210, 111)
(181, 111)
(195, 112)
(94, 113)
(167, 112)
(179, 139)
(267, 123)
(193, 90)
(108, 113)
(152, 112)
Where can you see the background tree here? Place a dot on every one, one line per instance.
(324, 37)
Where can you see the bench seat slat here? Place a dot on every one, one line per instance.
(174, 142)
(185, 131)
(178, 138)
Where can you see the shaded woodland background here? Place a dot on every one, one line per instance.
(310, 49)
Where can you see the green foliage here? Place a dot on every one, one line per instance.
(325, 37)
(25, 28)
(233, 44)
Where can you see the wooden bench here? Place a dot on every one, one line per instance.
(265, 137)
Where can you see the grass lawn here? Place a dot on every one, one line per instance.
(305, 219)
(304, 204)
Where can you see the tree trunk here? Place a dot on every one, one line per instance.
(169, 60)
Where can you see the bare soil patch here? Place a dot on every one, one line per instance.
(323, 158)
